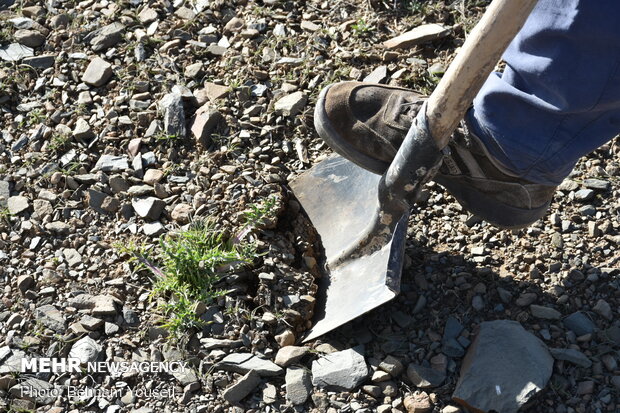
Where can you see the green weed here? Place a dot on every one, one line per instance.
(194, 261)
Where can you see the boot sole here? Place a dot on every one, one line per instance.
(328, 133)
(489, 209)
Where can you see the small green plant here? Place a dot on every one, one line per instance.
(193, 262)
(257, 216)
(362, 28)
(166, 137)
(58, 141)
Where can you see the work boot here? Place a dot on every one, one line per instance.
(366, 123)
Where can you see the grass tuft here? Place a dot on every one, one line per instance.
(193, 262)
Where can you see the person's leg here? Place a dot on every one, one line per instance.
(559, 96)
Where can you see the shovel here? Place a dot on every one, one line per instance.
(362, 217)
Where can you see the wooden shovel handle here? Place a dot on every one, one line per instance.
(473, 64)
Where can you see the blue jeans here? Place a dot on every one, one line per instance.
(559, 96)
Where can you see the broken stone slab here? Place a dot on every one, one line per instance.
(579, 323)
(377, 75)
(571, 355)
(5, 193)
(244, 362)
(15, 51)
(106, 36)
(503, 369)
(30, 38)
(111, 163)
(82, 130)
(86, 350)
(292, 104)
(97, 73)
(419, 35)
(546, 313)
(150, 207)
(341, 370)
(289, 355)
(51, 317)
(41, 61)
(243, 387)
(298, 385)
(17, 204)
(425, 377)
(206, 119)
(174, 115)
(214, 91)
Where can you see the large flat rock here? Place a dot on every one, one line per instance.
(504, 368)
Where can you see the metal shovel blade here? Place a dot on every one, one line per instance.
(341, 199)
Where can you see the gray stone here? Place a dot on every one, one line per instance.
(50, 317)
(107, 36)
(86, 350)
(5, 193)
(244, 362)
(72, 257)
(40, 62)
(153, 229)
(118, 184)
(603, 309)
(244, 386)
(546, 313)
(42, 207)
(35, 390)
(174, 115)
(425, 377)
(30, 38)
(598, 184)
(291, 104)
(96, 200)
(147, 15)
(131, 317)
(392, 365)
(216, 50)
(104, 305)
(503, 369)
(289, 355)
(150, 207)
(341, 370)
(14, 52)
(579, 323)
(584, 195)
(207, 118)
(82, 130)
(298, 385)
(97, 73)
(112, 163)
(17, 204)
(377, 75)
(419, 35)
(571, 355)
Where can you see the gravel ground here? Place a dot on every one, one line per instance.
(126, 121)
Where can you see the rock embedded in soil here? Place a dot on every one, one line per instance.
(504, 368)
(107, 36)
(392, 365)
(572, 356)
(242, 387)
(419, 402)
(298, 385)
(15, 52)
(244, 362)
(546, 313)
(292, 104)
(174, 115)
(206, 119)
(86, 350)
(424, 377)
(419, 35)
(17, 204)
(289, 355)
(97, 73)
(342, 370)
(112, 163)
(579, 323)
(30, 38)
(150, 208)
(51, 317)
